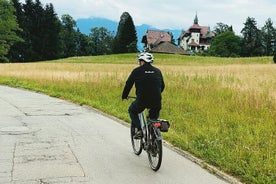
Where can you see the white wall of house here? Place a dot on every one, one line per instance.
(194, 37)
(184, 43)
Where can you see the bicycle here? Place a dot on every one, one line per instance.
(151, 139)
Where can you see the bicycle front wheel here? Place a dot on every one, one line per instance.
(155, 152)
(136, 143)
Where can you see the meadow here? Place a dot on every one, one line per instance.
(222, 110)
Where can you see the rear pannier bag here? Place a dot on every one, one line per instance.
(165, 125)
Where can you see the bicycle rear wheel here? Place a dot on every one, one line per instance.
(136, 143)
(155, 152)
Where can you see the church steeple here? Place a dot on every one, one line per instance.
(196, 19)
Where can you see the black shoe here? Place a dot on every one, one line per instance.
(138, 135)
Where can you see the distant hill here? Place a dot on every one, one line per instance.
(85, 26)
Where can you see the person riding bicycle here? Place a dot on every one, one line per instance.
(149, 85)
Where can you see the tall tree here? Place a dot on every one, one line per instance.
(52, 28)
(28, 27)
(38, 31)
(15, 53)
(268, 37)
(101, 41)
(82, 44)
(221, 28)
(251, 44)
(33, 26)
(68, 36)
(126, 38)
(8, 28)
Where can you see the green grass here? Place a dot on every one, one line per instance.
(222, 110)
(163, 59)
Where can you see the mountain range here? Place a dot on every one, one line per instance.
(85, 25)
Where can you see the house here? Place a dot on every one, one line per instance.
(196, 38)
(154, 37)
(160, 42)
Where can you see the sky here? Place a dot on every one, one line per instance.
(171, 14)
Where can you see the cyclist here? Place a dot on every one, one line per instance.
(149, 85)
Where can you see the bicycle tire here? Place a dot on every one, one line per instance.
(155, 152)
(136, 143)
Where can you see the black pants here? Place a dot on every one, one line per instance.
(137, 107)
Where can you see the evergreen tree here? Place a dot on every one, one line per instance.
(16, 51)
(268, 36)
(82, 44)
(126, 38)
(27, 26)
(41, 28)
(38, 31)
(8, 28)
(68, 36)
(52, 28)
(251, 44)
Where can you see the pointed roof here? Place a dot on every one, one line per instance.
(196, 19)
(195, 25)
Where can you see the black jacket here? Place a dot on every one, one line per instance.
(148, 82)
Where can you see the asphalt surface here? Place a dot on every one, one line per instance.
(45, 140)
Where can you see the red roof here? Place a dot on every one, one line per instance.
(195, 26)
(154, 37)
(203, 30)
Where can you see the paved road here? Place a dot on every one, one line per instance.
(44, 140)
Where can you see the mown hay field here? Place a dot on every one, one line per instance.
(223, 110)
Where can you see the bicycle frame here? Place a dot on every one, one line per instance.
(144, 125)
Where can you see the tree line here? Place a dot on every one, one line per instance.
(253, 42)
(33, 32)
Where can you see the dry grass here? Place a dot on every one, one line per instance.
(241, 77)
(256, 77)
(64, 71)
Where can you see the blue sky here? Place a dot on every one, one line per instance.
(172, 14)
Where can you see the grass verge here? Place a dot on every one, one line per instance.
(222, 110)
